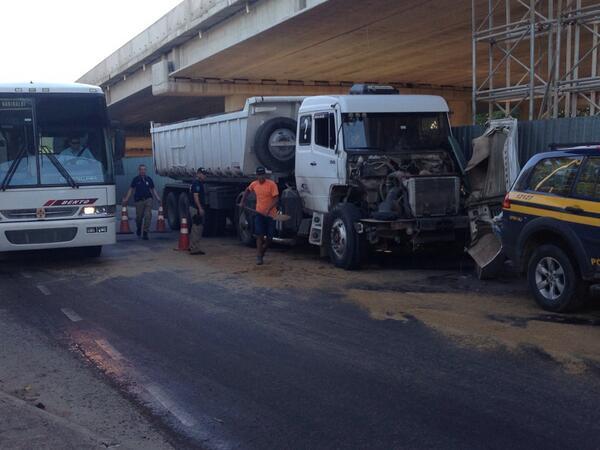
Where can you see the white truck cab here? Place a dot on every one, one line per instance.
(377, 169)
(331, 126)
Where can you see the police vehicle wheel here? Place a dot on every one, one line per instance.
(275, 144)
(345, 243)
(184, 208)
(172, 211)
(554, 281)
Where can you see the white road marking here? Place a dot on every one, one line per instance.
(26, 275)
(71, 314)
(109, 349)
(44, 290)
(160, 395)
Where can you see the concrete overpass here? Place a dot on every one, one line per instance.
(208, 56)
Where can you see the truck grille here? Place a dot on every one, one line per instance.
(30, 213)
(434, 196)
(42, 236)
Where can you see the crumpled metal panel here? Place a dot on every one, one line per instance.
(536, 136)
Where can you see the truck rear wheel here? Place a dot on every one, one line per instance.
(172, 211)
(243, 227)
(275, 144)
(554, 281)
(345, 246)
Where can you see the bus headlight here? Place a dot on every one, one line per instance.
(98, 210)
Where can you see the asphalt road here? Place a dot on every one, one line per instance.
(222, 362)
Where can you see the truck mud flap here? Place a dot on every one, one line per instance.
(488, 256)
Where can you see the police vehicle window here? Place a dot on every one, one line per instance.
(305, 130)
(325, 130)
(588, 184)
(554, 175)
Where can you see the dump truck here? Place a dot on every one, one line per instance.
(369, 171)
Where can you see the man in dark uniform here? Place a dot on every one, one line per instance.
(197, 212)
(142, 189)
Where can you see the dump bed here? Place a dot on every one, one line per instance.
(223, 144)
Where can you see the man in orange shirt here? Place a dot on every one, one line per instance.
(267, 197)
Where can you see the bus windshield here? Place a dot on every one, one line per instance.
(395, 132)
(54, 140)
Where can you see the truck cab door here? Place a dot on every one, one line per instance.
(316, 160)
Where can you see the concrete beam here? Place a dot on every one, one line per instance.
(235, 94)
(224, 89)
(164, 84)
(129, 85)
(190, 21)
(261, 16)
(182, 23)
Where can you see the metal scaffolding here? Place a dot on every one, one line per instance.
(536, 58)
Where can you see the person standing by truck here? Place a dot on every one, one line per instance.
(142, 189)
(197, 212)
(267, 197)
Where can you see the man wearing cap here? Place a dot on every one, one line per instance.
(267, 197)
(142, 189)
(197, 212)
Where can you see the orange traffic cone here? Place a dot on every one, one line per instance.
(160, 223)
(124, 228)
(184, 236)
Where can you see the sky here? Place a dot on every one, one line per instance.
(60, 40)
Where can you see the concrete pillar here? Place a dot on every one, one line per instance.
(235, 102)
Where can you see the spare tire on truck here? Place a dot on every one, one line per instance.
(275, 144)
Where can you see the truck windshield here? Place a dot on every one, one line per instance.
(54, 140)
(394, 132)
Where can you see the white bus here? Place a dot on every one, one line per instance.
(57, 182)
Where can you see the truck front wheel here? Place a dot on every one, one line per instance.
(345, 246)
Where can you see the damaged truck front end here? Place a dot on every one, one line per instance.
(492, 169)
(409, 199)
(405, 179)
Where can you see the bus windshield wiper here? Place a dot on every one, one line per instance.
(12, 169)
(62, 170)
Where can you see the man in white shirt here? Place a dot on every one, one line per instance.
(75, 150)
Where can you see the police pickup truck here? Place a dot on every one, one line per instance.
(551, 225)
